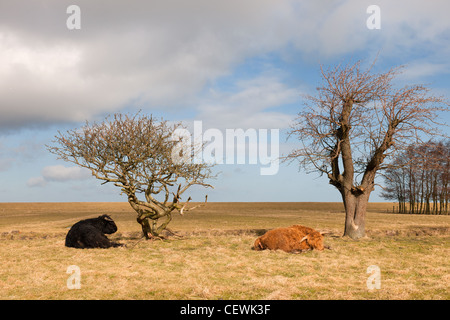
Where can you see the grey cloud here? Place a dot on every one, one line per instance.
(162, 54)
(18, 152)
(6, 164)
(157, 53)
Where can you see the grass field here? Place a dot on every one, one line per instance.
(213, 260)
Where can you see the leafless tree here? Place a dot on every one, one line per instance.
(136, 154)
(420, 176)
(356, 120)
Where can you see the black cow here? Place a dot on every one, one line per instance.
(90, 233)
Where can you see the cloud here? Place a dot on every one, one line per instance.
(58, 173)
(419, 70)
(16, 152)
(155, 54)
(36, 182)
(252, 104)
(163, 54)
(61, 173)
(6, 164)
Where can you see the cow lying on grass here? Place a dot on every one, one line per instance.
(293, 239)
(90, 233)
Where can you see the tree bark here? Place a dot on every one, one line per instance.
(149, 224)
(146, 228)
(355, 214)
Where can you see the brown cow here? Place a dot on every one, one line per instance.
(293, 239)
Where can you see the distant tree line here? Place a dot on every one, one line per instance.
(419, 179)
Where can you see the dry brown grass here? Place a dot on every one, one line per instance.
(213, 260)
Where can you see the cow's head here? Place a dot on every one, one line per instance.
(107, 224)
(314, 240)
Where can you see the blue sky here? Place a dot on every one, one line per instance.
(231, 64)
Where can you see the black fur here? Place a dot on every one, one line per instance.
(90, 233)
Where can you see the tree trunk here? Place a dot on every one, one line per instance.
(355, 214)
(144, 221)
(148, 218)
(150, 228)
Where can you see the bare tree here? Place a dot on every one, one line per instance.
(419, 175)
(136, 153)
(357, 119)
(396, 181)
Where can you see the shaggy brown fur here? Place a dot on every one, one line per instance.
(292, 239)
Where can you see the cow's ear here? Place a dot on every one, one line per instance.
(106, 217)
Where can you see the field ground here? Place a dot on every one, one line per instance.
(214, 261)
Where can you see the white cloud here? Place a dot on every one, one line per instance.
(36, 182)
(419, 70)
(61, 173)
(252, 105)
(58, 173)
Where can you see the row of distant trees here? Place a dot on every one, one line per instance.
(419, 179)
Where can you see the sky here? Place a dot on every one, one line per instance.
(230, 64)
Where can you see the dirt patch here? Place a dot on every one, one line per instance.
(234, 232)
(412, 231)
(134, 235)
(29, 235)
(428, 231)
